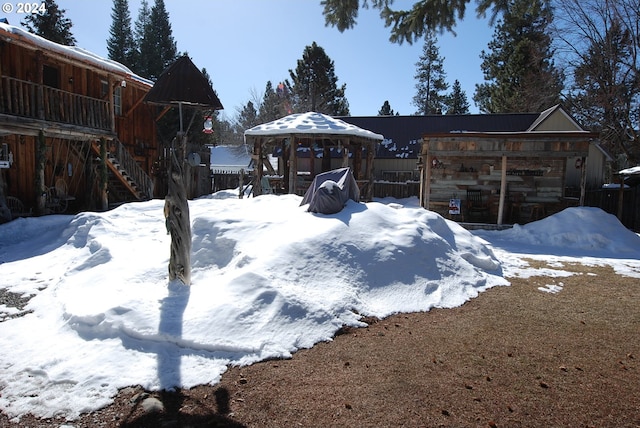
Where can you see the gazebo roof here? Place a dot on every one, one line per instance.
(310, 124)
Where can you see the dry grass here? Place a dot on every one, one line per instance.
(513, 357)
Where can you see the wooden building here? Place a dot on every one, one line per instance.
(551, 160)
(58, 106)
(499, 177)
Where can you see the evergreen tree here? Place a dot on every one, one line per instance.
(120, 44)
(165, 45)
(519, 71)
(314, 84)
(52, 25)
(247, 117)
(456, 102)
(408, 25)
(275, 102)
(430, 97)
(386, 110)
(156, 46)
(142, 39)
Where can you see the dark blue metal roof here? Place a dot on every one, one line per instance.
(402, 133)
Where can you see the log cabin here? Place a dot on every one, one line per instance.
(73, 128)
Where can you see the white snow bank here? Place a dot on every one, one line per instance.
(268, 277)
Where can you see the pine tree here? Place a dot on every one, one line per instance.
(456, 102)
(120, 44)
(274, 102)
(247, 117)
(314, 84)
(430, 97)
(408, 25)
(142, 39)
(165, 45)
(386, 110)
(52, 25)
(519, 71)
(156, 46)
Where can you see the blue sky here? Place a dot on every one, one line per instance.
(244, 43)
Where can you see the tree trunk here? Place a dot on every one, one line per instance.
(176, 211)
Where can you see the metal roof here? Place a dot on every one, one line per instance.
(403, 133)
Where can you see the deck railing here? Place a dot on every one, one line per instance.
(31, 100)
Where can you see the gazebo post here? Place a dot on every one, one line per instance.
(345, 153)
(293, 165)
(369, 172)
(257, 187)
(357, 161)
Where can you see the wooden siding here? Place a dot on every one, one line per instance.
(535, 171)
(72, 102)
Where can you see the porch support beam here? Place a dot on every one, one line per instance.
(503, 188)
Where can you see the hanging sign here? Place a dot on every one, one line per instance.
(454, 206)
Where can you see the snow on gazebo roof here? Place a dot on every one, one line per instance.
(311, 123)
(630, 171)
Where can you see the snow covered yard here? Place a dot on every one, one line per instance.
(268, 278)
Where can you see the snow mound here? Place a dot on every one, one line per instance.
(269, 278)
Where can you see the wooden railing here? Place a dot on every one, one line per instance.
(127, 165)
(31, 100)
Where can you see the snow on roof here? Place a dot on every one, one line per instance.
(311, 123)
(631, 171)
(73, 52)
(230, 158)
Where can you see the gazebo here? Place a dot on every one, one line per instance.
(324, 142)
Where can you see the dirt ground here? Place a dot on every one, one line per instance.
(515, 356)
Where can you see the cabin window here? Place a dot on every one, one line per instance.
(50, 76)
(104, 89)
(117, 100)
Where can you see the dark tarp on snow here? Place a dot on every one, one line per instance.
(330, 191)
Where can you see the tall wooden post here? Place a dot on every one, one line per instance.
(621, 197)
(583, 180)
(178, 222)
(41, 159)
(427, 180)
(503, 188)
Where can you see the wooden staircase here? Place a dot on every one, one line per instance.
(127, 182)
